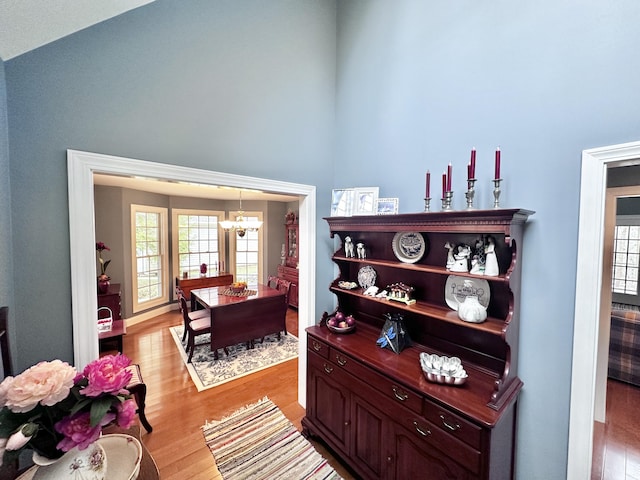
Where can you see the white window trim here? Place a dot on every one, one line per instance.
(164, 238)
(175, 267)
(232, 244)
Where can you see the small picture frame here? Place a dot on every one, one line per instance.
(342, 200)
(366, 200)
(387, 206)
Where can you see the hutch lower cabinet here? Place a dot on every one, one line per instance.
(375, 408)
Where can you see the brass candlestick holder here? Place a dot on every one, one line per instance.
(427, 204)
(496, 192)
(470, 193)
(446, 201)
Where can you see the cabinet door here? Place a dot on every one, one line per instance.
(369, 438)
(416, 459)
(329, 406)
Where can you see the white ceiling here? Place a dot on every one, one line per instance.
(29, 24)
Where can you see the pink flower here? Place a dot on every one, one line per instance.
(107, 374)
(46, 383)
(78, 432)
(126, 411)
(20, 438)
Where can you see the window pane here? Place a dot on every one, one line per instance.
(201, 231)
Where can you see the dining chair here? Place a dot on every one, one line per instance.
(7, 364)
(191, 315)
(194, 328)
(138, 389)
(272, 281)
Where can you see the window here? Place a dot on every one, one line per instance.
(247, 252)
(197, 239)
(149, 269)
(626, 259)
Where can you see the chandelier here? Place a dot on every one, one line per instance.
(240, 225)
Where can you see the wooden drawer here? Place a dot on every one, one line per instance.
(318, 347)
(379, 382)
(435, 437)
(453, 424)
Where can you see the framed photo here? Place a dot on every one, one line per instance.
(342, 200)
(366, 201)
(387, 206)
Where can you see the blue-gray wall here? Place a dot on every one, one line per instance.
(421, 83)
(244, 87)
(249, 87)
(6, 262)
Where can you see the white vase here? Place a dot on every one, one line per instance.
(471, 310)
(87, 464)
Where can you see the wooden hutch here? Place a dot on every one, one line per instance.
(289, 270)
(375, 408)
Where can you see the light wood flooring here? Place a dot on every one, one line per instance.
(616, 443)
(176, 410)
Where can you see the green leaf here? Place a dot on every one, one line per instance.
(99, 408)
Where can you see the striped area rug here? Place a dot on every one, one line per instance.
(258, 442)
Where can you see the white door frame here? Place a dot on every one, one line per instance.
(593, 187)
(82, 165)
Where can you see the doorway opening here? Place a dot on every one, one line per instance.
(81, 167)
(589, 281)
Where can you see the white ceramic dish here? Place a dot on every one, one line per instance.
(123, 452)
(408, 247)
(457, 289)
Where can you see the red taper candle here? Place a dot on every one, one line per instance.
(497, 172)
(449, 171)
(473, 163)
(444, 184)
(428, 185)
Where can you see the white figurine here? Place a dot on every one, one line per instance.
(491, 262)
(450, 259)
(461, 259)
(360, 250)
(348, 247)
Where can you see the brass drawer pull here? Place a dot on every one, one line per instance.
(399, 394)
(316, 346)
(453, 428)
(341, 360)
(420, 431)
(328, 368)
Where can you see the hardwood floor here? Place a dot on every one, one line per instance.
(176, 410)
(616, 443)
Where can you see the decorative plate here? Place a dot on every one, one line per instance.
(457, 289)
(408, 247)
(367, 276)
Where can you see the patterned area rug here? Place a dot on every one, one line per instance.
(207, 372)
(258, 442)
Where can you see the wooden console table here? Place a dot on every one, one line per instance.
(112, 300)
(188, 284)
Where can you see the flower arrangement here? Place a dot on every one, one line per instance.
(100, 247)
(50, 408)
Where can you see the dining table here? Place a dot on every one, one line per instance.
(239, 317)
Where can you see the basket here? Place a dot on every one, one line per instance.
(105, 323)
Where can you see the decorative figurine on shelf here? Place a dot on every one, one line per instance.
(360, 250)
(461, 258)
(348, 247)
(203, 269)
(450, 259)
(491, 268)
(478, 259)
(400, 292)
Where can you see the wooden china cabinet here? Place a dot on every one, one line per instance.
(289, 271)
(375, 408)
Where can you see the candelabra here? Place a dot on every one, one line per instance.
(446, 201)
(470, 193)
(496, 192)
(427, 204)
